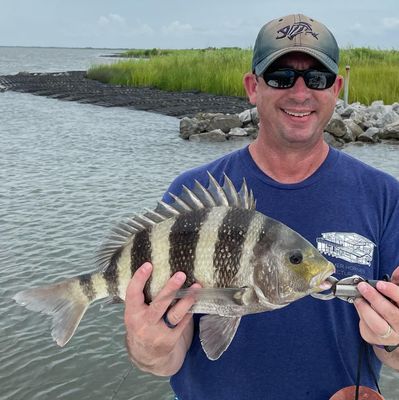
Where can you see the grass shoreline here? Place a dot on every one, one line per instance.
(374, 73)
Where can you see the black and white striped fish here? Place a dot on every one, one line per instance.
(245, 262)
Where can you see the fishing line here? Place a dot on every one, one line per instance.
(124, 377)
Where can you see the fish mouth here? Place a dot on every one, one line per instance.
(321, 282)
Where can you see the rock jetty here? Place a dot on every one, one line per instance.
(75, 86)
(354, 123)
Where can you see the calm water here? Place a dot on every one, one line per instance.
(67, 172)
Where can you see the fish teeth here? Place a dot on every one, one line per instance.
(297, 114)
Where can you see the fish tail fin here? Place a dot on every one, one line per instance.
(65, 302)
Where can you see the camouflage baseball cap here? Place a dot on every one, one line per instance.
(295, 32)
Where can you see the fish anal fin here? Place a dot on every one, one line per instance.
(216, 334)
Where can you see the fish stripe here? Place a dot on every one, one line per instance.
(160, 255)
(254, 234)
(229, 246)
(183, 238)
(111, 274)
(265, 269)
(141, 252)
(124, 267)
(204, 253)
(87, 286)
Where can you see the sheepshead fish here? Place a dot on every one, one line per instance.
(245, 262)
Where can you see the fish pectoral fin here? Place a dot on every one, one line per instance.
(216, 334)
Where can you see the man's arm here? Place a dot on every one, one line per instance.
(379, 317)
(153, 346)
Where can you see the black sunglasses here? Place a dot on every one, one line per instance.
(285, 78)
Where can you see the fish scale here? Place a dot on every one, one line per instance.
(244, 261)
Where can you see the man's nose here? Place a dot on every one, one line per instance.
(300, 89)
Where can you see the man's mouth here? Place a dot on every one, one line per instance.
(297, 114)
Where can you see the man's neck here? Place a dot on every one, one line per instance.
(288, 165)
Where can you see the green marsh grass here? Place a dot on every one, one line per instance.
(374, 74)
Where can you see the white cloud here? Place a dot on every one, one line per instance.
(176, 27)
(111, 19)
(117, 24)
(390, 22)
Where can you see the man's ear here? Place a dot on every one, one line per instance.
(338, 84)
(250, 85)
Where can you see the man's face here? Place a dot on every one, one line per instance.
(296, 116)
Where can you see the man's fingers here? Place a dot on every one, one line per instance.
(177, 313)
(382, 305)
(372, 320)
(134, 293)
(378, 317)
(162, 301)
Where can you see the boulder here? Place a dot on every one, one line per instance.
(255, 116)
(357, 117)
(350, 109)
(377, 107)
(237, 133)
(224, 122)
(245, 117)
(386, 119)
(188, 127)
(355, 122)
(390, 131)
(332, 141)
(216, 135)
(370, 136)
(354, 129)
(249, 116)
(336, 126)
(208, 116)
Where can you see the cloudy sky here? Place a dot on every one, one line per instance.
(187, 23)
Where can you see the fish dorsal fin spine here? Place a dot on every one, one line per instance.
(189, 200)
(214, 195)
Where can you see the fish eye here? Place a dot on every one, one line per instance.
(296, 257)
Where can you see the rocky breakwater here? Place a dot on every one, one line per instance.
(354, 123)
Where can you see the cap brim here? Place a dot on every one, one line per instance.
(318, 55)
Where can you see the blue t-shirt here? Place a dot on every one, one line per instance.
(309, 349)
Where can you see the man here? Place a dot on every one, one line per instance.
(310, 349)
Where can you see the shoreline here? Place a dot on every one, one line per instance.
(74, 86)
(204, 116)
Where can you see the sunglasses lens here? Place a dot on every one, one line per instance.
(280, 79)
(285, 78)
(319, 80)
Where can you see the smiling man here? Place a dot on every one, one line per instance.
(310, 349)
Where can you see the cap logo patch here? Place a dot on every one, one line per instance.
(290, 31)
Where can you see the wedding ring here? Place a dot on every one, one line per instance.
(173, 326)
(387, 333)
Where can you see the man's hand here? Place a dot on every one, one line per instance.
(152, 345)
(379, 316)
